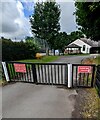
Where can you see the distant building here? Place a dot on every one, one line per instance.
(83, 45)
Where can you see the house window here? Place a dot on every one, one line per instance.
(83, 47)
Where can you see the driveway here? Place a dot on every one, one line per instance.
(23, 100)
(73, 59)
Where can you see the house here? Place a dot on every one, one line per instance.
(81, 45)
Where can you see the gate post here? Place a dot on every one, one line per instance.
(69, 75)
(5, 71)
(93, 75)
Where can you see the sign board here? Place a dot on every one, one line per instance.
(20, 68)
(84, 69)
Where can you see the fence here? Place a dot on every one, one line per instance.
(83, 75)
(98, 78)
(70, 75)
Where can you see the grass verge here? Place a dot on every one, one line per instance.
(92, 60)
(97, 60)
(3, 82)
(91, 105)
(44, 59)
(87, 104)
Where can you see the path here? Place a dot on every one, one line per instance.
(23, 100)
(75, 59)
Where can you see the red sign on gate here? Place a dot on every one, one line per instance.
(20, 68)
(84, 69)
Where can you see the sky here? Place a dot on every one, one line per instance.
(14, 18)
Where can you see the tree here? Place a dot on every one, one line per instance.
(75, 35)
(61, 41)
(88, 18)
(45, 21)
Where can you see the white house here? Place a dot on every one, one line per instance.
(81, 45)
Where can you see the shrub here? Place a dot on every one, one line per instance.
(12, 51)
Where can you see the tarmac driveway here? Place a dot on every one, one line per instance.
(24, 100)
(73, 59)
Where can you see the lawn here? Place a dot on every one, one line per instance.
(44, 59)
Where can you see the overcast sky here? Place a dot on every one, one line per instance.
(14, 18)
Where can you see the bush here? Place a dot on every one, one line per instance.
(12, 51)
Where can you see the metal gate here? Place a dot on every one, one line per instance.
(52, 73)
(39, 73)
(85, 79)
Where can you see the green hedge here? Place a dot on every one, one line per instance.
(12, 51)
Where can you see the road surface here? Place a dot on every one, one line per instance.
(75, 59)
(24, 100)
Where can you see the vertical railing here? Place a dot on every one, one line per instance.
(2, 75)
(26, 76)
(34, 73)
(39, 73)
(51, 73)
(4, 66)
(85, 79)
(54, 74)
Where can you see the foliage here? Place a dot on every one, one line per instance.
(45, 21)
(17, 50)
(61, 41)
(31, 42)
(88, 18)
(75, 35)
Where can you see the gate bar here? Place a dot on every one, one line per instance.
(69, 75)
(5, 71)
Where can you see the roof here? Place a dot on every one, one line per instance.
(99, 44)
(87, 41)
(90, 42)
(73, 46)
(96, 44)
